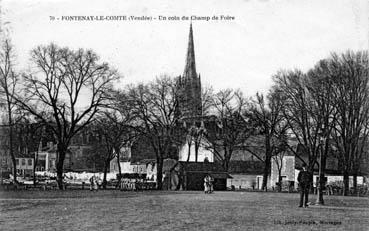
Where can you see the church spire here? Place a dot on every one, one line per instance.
(190, 68)
(190, 84)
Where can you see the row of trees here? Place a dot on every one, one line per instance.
(324, 111)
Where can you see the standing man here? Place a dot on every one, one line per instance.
(207, 184)
(92, 182)
(304, 184)
(211, 181)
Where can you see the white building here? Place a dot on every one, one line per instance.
(24, 166)
(127, 167)
(334, 179)
(287, 166)
(203, 153)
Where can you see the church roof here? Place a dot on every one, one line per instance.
(190, 68)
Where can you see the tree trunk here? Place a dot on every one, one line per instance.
(11, 145)
(117, 151)
(354, 178)
(267, 166)
(189, 152)
(159, 173)
(59, 166)
(226, 162)
(227, 158)
(346, 183)
(10, 123)
(321, 182)
(225, 165)
(35, 159)
(106, 166)
(267, 163)
(279, 181)
(196, 151)
(14, 170)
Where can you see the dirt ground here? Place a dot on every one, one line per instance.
(155, 210)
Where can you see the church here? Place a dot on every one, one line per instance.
(192, 160)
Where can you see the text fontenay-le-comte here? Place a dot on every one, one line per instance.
(142, 18)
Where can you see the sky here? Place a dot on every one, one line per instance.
(264, 37)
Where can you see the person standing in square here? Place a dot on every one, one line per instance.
(304, 185)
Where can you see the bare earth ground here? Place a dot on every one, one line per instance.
(154, 210)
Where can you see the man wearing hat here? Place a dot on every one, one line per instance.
(304, 184)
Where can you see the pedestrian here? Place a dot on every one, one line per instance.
(304, 185)
(207, 184)
(92, 182)
(96, 183)
(211, 181)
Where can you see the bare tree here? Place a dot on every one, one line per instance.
(233, 127)
(115, 129)
(155, 105)
(351, 95)
(8, 86)
(65, 91)
(278, 160)
(28, 136)
(268, 119)
(319, 84)
(303, 122)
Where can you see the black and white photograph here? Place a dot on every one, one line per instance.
(184, 115)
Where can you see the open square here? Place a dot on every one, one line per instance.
(168, 210)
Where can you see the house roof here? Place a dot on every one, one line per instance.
(221, 175)
(201, 166)
(246, 167)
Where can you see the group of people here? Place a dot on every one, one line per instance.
(208, 184)
(94, 183)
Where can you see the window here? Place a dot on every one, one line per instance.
(23, 162)
(17, 161)
(30, 162)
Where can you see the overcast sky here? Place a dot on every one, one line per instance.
(243, 53)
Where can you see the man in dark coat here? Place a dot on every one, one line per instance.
(304, 184)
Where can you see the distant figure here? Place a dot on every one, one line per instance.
(304, 184)
(211, 180)
(96, 183)
(92, 183)
(207, 184)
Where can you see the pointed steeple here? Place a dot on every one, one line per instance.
(190, 84)
(190, 68)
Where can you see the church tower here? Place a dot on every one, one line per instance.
(190, 84)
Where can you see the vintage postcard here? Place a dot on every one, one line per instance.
(184, 115)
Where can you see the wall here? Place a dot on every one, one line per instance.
(332, 179)
(288, 169)
(202, 153)
(127, 167)
(24, 163)
(151, 171)
(47, 161)
(24, 166)
(242, 181)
